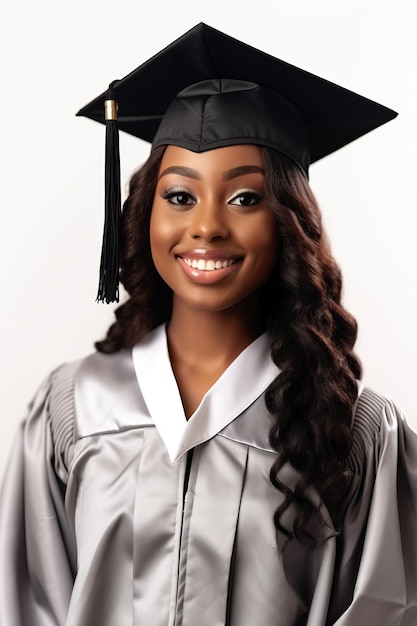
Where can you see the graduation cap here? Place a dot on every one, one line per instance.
(207, 90)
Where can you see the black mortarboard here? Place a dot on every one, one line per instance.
(207, 90)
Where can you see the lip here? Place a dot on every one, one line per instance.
(208, 277)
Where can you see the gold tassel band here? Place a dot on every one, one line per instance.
(110, 110)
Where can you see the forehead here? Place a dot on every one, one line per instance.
(220, 159)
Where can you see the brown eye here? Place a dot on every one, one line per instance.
(181, 198)
(245, 199)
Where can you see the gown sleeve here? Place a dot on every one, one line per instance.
(377, 574)
(36, 555)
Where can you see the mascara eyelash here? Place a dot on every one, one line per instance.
(254, 195)
(171, 191)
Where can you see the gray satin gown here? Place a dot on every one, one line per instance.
(115, 512)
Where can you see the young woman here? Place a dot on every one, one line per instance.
(216, 461)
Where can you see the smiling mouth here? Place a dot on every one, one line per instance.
(210, 264)
(209, 271)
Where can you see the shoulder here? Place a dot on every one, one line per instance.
(367, 415)
(376, 420)
(101, 368)
(60, 410)
(65, 391)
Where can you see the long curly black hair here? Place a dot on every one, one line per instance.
(312, 336)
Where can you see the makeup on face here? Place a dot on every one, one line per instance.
(214, 238)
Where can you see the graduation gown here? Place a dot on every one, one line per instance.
(116, 511)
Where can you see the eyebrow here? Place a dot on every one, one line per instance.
(241, 170)
(183, 171)
(228, 175)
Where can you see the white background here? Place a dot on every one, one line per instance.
(57, 55)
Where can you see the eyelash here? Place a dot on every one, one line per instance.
(252, 196)
(171, 194)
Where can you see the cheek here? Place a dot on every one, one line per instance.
(163, 236)
(160, 232)
(268, 245)
(153, 230)
(264, 240)
(269, 258)
(157, 239)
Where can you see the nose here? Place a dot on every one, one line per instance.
(209, 222)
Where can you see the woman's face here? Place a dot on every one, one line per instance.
(214, 238)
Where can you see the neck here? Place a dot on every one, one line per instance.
(212, 339)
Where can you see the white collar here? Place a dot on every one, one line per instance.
(237, 388)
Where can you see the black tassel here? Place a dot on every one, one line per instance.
(108, 288)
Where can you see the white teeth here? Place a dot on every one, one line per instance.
(209, 265)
